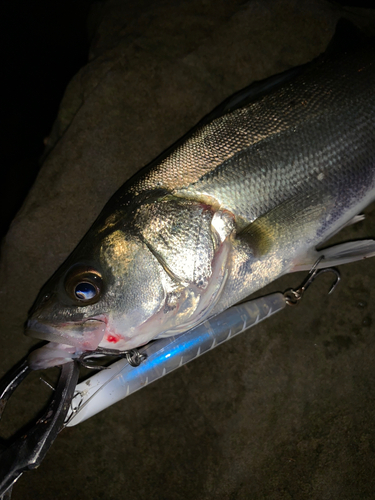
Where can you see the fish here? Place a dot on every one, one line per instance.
(252, 193)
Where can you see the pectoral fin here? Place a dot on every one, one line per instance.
(296, 219)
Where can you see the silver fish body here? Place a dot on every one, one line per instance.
(242, 200)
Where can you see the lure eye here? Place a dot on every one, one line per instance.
(84, 285)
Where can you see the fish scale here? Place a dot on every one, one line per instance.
(320, 91)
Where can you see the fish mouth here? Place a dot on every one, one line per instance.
(67, 341)
(85, 335)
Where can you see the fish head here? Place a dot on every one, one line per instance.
(126, 284)
(98, 295)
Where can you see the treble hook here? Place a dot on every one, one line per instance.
(293, 296)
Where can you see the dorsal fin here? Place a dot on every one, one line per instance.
(252, 92)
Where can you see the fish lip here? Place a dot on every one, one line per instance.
(87, 339)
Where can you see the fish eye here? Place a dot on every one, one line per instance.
(85, 291)
(84, 285)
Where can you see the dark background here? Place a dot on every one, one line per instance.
(43, 44)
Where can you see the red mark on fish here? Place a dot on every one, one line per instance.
(113, 338)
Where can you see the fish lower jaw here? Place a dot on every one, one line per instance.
(52, 354)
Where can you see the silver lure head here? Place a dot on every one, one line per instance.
(132, 278)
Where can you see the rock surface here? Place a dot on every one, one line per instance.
(285, 411)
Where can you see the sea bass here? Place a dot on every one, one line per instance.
(246, 197)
